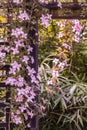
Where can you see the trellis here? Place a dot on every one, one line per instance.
(5, 105)
(73, 9)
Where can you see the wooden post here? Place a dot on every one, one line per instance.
(33, 34)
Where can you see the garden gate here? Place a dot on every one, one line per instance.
(75, 9)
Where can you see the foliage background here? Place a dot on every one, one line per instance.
(66, 103)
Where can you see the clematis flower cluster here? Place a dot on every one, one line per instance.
(77, 28)
(19, 32)
(58, 67)
(24, 16)
(45, 19)
(66, 46)
(21, 75)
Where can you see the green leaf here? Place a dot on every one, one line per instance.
(56, 102)
(72, 118)
(59, 118)
(72, 89)
(63, 104)
(76, 77)
(77, 125)
(80, 120)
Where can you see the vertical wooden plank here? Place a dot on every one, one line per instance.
(8, 118)
(33, 34)
(34, 122)
(34, 53)
(8, 88)
(34, 44)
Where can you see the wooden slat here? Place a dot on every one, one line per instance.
(4, 43)
(5, 67)
(4, 104)
(4, 6)
(69, 5)
(70, 17)
(8, 116)
(3, 85)
(3, 125)
(4, 25)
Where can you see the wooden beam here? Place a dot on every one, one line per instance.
(70, 5)
(69, 10)
(75, 1)
(70, 17)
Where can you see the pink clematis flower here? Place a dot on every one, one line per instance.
(45, 20)
(25, 59)
(24, 16)
(19, 32)
(17, 1)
